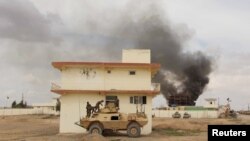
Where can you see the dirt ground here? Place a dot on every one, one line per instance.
(46, 128)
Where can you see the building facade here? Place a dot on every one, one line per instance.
(46, 106)
(211, 103)
(128, 81)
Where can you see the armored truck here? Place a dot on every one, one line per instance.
(109, 118)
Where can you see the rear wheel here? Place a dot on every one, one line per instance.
(95, 129)
(134, 130)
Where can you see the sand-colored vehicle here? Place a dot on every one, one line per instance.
(225, 111)
(109, 118)
(186, 115)
(176, 115)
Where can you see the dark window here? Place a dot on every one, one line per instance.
(138, 100)
(144, 100)
(131, 100)
(132, 73)
(111, 99)
(109, 71)
(114, 117)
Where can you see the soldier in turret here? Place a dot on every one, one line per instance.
(88, 108)
(97, 106)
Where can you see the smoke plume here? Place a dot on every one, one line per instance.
(181, 72)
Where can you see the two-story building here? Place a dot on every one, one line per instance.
(128, 81)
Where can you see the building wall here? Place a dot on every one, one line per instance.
(136, 56)
(100, 79)
(194, 114)
(10, 112)
(73, 106)
(45, 108)
(211, 104)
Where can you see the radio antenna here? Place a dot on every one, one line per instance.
(79, 109)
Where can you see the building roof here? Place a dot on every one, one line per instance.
(144, 92)
(210, 99)
(153, 66)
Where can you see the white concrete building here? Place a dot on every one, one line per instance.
(129, 81)
(46, 106)
(211, 103)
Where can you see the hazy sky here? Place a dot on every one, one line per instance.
(33, 33)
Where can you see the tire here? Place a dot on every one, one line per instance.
(134, 130)
(95, 129)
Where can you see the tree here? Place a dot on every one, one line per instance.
(21, 104)
(13, 104)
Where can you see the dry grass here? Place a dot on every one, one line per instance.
(176, 132)
(46, 128)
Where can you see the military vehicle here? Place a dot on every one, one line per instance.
(186, 115)
(176, 115)
(109, 118)
(226, 112)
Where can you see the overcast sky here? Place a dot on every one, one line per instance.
(33, 33)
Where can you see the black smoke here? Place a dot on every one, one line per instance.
(181, 72)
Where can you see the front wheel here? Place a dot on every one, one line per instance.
(134, 130)
(95, 129)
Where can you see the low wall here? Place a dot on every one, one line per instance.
(194, 114)
(8, 112)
